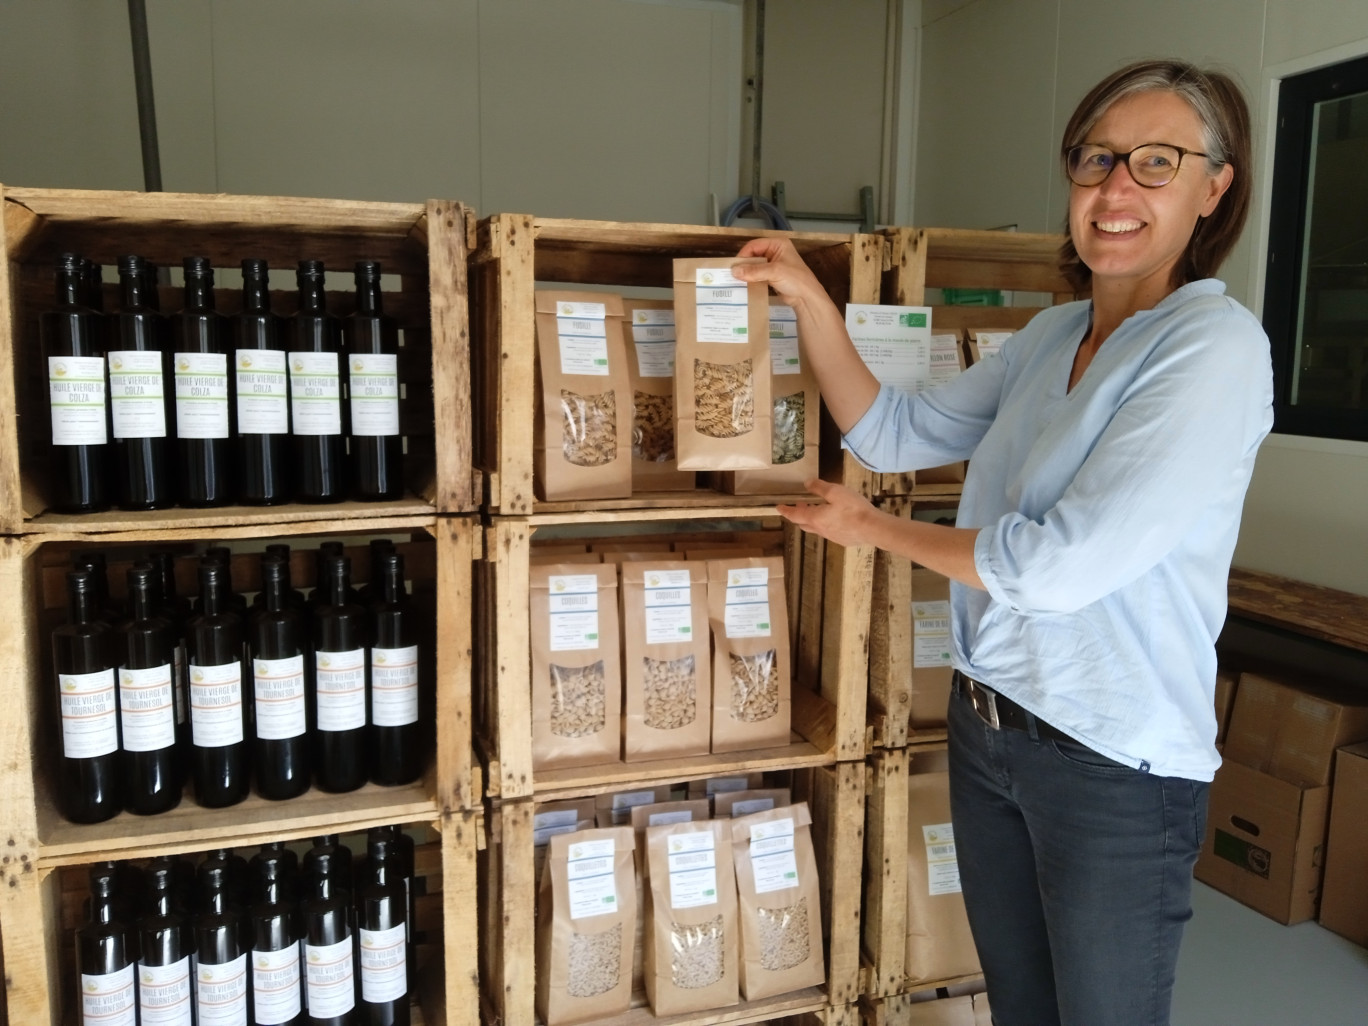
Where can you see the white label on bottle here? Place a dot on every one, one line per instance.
(221, 996)
(942, 864)
(90, 709)
(341, 679)
(573, 604)
(773, 863)
(216, 705)
(76, 395)
(394, 686)
(591, 878)
(278, 688)
(147, 710)
(201, 395)
(109, 999)
(583, 339)
(930, 634)
(693, 869)
(374, 391)
(275, 985)
(747, 611)
(136, 394)
(263, 392)
(315, 394)
(331, 983)
(667, 606)
(164, 994)
(384, 973)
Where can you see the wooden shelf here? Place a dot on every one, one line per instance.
(1339, 617)
(220, 521)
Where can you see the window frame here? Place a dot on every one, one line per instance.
(1297, 98)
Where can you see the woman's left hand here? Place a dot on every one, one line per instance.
(844, 518)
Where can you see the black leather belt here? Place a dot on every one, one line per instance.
(1000, 712)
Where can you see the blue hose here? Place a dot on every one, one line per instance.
(773, 216)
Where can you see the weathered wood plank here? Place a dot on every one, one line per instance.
(1340, 617)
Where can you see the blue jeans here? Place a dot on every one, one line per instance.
(1077, 875)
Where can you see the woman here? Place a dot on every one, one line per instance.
(1112, 443)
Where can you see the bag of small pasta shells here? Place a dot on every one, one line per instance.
(722, 367)
(576, 681)
(796, 420)
(650, 338)
(582, 440)
(691, 935)
(778, 902)
(587, 904)
(666, 666)
(748, 618)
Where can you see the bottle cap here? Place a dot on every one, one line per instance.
(255, 267)
(198, 267)
(70, 262)
(309, 272)
(367, 270)
(131, 264)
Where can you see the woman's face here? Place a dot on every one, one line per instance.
(1129, 236)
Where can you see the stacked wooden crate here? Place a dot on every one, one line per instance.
(918, 260)
(426, 246)
(824, 759)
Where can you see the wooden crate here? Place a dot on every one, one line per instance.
(835, 795)
(922, 1009)
(829, 674)
(884, 919)
(922, 258)
(439, 556)
(516, 253)
(444, 906)
(424, 244)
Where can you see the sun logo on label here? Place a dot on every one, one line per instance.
(735, 579)
(323, 661)
(567, 310)
(378, 657)
(358, 365)
(860, 318)
(149, 979)
(92, 987)
(69, 685)
(933, 835)
(183, 365)
(576, 852)
(263, 963)
(59, 371)
(558, 586)
(116, 363)
(641, 316)
(197, 677)
(244, 361)
(707, 278)
(299, 366)
(128, 678)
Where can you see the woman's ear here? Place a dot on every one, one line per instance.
(1217, 185)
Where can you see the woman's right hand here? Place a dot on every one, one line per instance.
(784, 271)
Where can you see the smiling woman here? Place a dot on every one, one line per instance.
(1112, 441)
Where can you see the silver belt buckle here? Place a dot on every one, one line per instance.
(985, 703)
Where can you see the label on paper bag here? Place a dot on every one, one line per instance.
(582, 333)
(783, 328)
(669, 613)
(76, 396)
(747, 611)
(773, 862)
(573, 604)
(589, 869)
(315, 394)
(201, 395)
(693, 869)
(216, 705)
(990, 342)
(942, 869)
(930, 634)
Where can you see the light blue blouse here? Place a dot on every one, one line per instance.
(1108, 514)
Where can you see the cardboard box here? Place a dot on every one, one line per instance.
(1265, 841)
(931, 669)
(1344, 896)
(967, 1010)
(1226, 680)
(1291, 732)
(939, 944)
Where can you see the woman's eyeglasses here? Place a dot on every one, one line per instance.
(1151, 165)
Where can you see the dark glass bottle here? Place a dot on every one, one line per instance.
(382, 935)
(280, 684)
(177, 610)
(400, 744)
(341, 684)
(153, 764)
(329, 944)
(106, 608)
(317, 414)
(78, 396)
(223, 556)
(166, 940)
(295, 597)
(106, 956)
(204, 409)
(83, 659)
(339, 861)
(277, 977)
(372, 340)
(139, 395)
(263, 394)
(369, 593)
(223, 987)
(219, 753)
(152, 286)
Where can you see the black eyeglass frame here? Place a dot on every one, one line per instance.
(1124, 158)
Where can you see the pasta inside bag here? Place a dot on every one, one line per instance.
(748, 619)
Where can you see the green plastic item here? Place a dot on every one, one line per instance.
(972, 297)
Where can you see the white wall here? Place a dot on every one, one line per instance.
(999, 80)
(615, 109)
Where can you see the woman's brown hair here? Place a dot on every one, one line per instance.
(1220, 106)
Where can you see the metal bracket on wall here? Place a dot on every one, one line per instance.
(864, 217)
